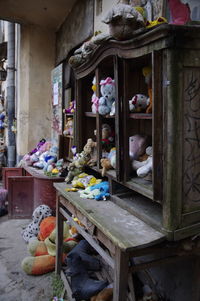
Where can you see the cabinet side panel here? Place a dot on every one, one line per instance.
(191, 139)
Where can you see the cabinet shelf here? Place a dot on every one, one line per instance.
(140, 116)
(90, 114)
(141, 186)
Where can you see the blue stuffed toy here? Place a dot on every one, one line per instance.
(103, 190)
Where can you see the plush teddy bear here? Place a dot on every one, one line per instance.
(43, 249)
(138, 103)
(68, 127)
(80, 160)
(108, 96)
(137, 146)
(47, 158)
(143, 168)
(95, 99)
(123, 20)
(109, 162)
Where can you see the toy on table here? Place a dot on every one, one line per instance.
(98, 192)
(80, 160)
(143, 168)
(108, 96)
(147, 73)
(123, 20)
(43, 249)
(46, 159)
(109, 162)
(138, 103)
(84, 180)
(95, 99)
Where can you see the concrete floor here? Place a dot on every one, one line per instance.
(15, 285)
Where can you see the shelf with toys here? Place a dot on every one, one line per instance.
(147, 127)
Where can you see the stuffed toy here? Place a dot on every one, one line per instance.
(91, 148)
(82, 54)
(98, 192)
(32, 230)
(180, 12)
(95, 99)
(80, 160)
(158, 21)
(138, 103)
(109, 162)
(84, 180)
(107, 138)
(112, 112)
(47, 158)
(108, 96)
(123, 20)
(143, 168)
(105, 295)
(71, 108)
(80, 262)
(43, 249)
(137, 146)
(147, 73)
(68, 127)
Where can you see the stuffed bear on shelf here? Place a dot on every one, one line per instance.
(108, 96)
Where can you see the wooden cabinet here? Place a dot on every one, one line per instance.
(171, 201)
(27, 189)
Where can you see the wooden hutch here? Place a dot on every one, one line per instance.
(170, 203)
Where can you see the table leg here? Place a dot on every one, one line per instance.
(59, 237)
(120, 275)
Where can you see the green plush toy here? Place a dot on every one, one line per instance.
(42, 259)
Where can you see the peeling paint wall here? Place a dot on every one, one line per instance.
(37, 59)
(101, 9)
(78, 27)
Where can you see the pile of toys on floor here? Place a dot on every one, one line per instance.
(80, 261)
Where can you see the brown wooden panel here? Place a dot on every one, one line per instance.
(20, 197)
(44, 192)
(10, 171)
(191, 139)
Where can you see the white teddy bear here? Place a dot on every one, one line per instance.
(143, 168)
(138, 103)
(108, 96)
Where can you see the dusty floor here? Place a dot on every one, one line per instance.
(15, 285)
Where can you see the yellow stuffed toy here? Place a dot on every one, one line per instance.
(43, 249)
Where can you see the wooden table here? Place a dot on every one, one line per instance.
(122, 235)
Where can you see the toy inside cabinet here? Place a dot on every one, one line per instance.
(149, 121)
(67, 139)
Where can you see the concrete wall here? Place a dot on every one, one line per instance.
(98, 15)
(37, 59)
(78, 27)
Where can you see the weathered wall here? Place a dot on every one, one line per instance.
(98, 16)
(37, 59)
(77, 28)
